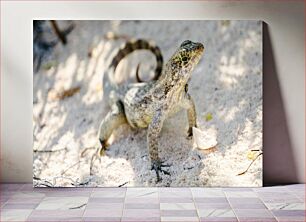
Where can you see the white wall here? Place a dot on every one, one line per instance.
(285, 19)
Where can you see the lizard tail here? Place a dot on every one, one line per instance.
(139, 44)
(109, 82)
(137, 74)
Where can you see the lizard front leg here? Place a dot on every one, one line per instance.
(152, 142)
(113, 120)
(109, 123)
(191, 113)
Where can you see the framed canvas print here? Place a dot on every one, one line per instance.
(147, 103)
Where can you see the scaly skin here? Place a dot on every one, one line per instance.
(147, 105)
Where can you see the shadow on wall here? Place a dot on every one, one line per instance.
(278, 162)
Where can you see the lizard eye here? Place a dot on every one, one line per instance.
(186, 42)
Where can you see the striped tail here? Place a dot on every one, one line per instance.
(129, 47)
(139, 44)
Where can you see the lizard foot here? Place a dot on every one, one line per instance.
(100, 151)
(103, 147)
(189, 134)
(157, 166)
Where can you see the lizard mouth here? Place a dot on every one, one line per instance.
(199, 47)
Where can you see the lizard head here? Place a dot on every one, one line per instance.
(186, 58)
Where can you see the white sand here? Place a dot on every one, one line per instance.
(227, 83)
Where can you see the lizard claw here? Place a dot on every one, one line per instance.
(157, 166)
(98, 153)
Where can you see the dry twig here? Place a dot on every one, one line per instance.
(70, 167)
(49, 151)
(239, 174)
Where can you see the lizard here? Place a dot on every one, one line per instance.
(148, 104)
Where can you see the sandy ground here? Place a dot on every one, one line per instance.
(226, 85)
